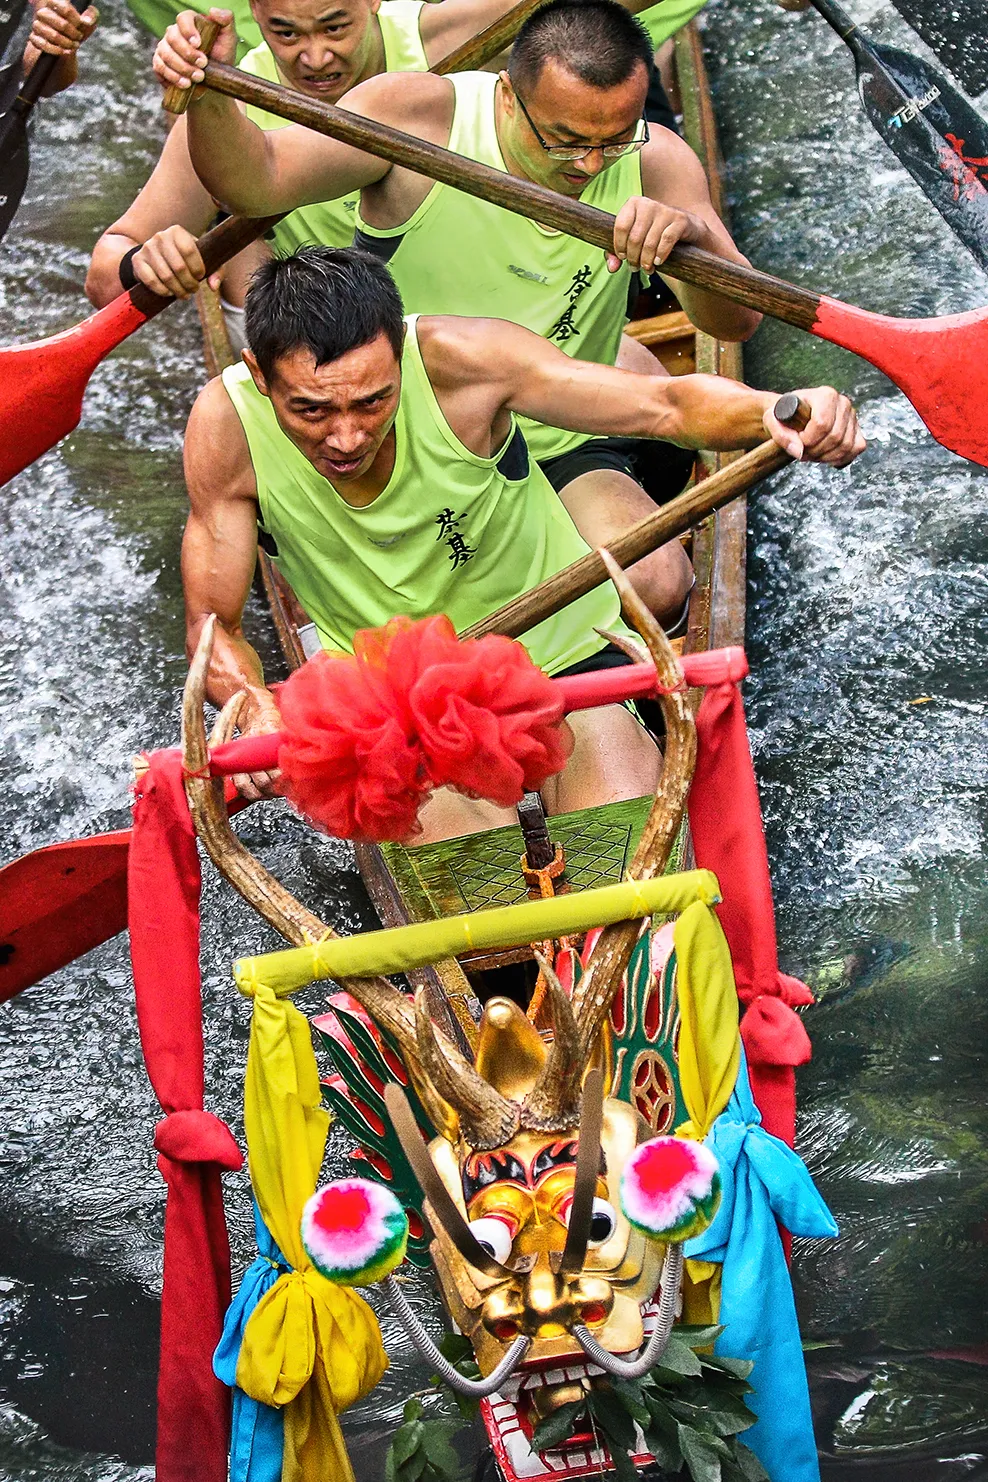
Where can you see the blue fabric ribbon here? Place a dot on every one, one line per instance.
(763, 1181)
(258, 1433)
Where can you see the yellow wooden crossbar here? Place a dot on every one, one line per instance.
(401, 948)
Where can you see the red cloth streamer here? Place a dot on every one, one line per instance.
(193, 1146)
(369, 735)
(728, 838)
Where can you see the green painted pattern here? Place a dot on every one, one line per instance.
(483, 870)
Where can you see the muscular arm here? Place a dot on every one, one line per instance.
(672, 174)
(219, 550)
(483, 369)
(173, 196)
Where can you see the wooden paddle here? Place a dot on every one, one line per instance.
(44, 382)
(940, 364)
(931, 129)
(473, 54)
(59, 902)
(671, 520)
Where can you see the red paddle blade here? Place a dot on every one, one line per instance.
(58, 903)
(940, 364)
(44, 383)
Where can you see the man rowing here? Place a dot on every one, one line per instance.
(568, 114)
(379, 461)
(322, 48)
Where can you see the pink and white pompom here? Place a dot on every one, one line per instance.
(670, 1188)
(354, 1232)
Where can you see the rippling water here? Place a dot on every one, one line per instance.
(868, 594)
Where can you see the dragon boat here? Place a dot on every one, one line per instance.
(545, 1068)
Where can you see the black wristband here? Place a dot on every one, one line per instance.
(125, 272)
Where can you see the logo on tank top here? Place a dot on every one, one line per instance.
(564, 329)
(457, 549)
(527, 273)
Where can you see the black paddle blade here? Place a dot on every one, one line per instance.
(935, 133)
(11, 15)
(14, 165)
(956, 34)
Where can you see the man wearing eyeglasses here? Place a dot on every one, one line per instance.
(568, 114)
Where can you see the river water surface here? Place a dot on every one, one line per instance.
(868, 634)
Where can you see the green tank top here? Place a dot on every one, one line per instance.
(459, 255)
(331, 223)
(451, 532)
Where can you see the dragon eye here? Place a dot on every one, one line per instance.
(494, 1236)
(603, 1222)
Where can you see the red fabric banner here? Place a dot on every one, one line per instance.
(194, 1147)
(728, 838)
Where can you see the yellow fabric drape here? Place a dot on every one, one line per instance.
(309, 1346)
(709, 1059)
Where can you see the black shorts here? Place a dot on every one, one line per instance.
(661, 469)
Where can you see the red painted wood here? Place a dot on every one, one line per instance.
(58, 903)
(940, 364)
(43, 383)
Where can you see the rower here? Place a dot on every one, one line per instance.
(379, 462)
(567, 114)
(322, 48)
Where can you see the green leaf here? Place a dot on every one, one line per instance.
(697, 1337)
(456, 1347)
(629, 1392)
(702, 1461)
(624, 1466)
(662, 1376)
(727, 1416)
(441, 1456)
(413, 1468)
(612, 1417)
(413, 1409)
(750, 1465)
(557, 1427)
(740, 1368)
(680, 1358)
(665, 1449)
(407, 1440)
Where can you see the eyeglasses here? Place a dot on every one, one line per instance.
(580, 151)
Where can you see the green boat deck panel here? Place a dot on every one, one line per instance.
(483, 870)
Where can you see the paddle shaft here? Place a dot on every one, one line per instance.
(673, 519)
(735, 281)
(473, 54)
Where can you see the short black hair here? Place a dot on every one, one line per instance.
(328, 300)
(599, 41)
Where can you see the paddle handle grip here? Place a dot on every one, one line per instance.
(792, 411)
(35, 82)
(736, 281)
(578, 692)
(216, 247)
(177, 99)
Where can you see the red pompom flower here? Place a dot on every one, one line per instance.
(369, 736)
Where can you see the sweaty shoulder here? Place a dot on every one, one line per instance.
(418, 102)
(217, 459)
